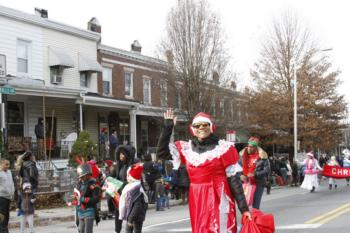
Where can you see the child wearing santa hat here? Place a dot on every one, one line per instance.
(133, 201)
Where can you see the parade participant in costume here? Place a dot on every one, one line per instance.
(212, 166)
(346, 162)
(87, 196)
(125, 158)
(256, 168)
(331, 181)
(312, 168)
(133, 201)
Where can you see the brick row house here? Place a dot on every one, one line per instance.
(65, 74)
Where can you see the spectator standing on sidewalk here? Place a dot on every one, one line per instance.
(29, 172)
(7, 190)
(125, 158)
(26, 207)
(39, 133)
(183, 183)
(87, 199)
(113, 143)
(133, 201)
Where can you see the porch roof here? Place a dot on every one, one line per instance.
(107, 102)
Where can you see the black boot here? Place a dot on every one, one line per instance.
(313, 189)
(335, 186)
(330, 186)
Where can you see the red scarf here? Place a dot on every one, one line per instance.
(249, 162)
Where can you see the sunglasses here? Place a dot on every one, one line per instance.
(197, 126)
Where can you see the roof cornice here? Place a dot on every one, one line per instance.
(46, 23)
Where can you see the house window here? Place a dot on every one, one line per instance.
(107, 80)
(84, 79)
(222, 107)
(147, 90)
(128, 80)
(15, 119)
(163, 93)
(178, 99)
(213, 107)
(23, 56)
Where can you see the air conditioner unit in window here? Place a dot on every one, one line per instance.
(56, 79)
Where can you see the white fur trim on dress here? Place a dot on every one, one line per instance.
(233, 169)
(175, 156)
(196, 159)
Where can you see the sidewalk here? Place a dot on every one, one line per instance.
(59, 215)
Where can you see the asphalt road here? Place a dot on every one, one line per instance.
(295, 211)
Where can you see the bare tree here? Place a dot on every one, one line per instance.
(320, 107)
(195, 49)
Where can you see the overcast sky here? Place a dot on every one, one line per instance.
(245, 23)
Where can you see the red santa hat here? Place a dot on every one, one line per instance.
(135, 172)
(203, 118)
(109, 162)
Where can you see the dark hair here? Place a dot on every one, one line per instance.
(148, 157)
(27, 155)
(40, 119)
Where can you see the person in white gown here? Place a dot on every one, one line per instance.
(312, 168)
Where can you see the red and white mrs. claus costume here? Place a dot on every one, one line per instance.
(211, 203)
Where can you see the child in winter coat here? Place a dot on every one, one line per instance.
(133, 201)
(26, 207)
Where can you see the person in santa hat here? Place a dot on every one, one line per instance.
(133, 201)
(212, 166)
(312, 168)
(256, 168)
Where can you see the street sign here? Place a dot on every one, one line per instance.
(8, 90)
(2, 66)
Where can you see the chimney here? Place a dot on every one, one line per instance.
(233, 85)
(169, 57)
(216, 77)
(136, 47)
(94, 25)
(41, 12)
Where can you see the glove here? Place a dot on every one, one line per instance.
(32, 200)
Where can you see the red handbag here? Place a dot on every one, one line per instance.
(261, 223)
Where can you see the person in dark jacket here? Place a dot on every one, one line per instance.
(151, 175)
(86, 198)
(29, 172)
(133, 201)
(256, 168)
(39, 133)
(113, 143)
(183, 183)
(125, 155)
(212, 166)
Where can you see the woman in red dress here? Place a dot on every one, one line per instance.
(212, 166)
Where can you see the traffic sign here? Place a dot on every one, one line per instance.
(8, 90)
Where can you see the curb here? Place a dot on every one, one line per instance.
(69, 217)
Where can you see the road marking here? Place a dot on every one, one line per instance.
(298, 226)
(329, 215)
(165, 223)
(334, 216)
(180, 230)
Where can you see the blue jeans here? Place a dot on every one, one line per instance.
(160, 202)
(257, 196)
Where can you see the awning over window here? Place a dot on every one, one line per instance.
(58, 57)
(88, 64)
